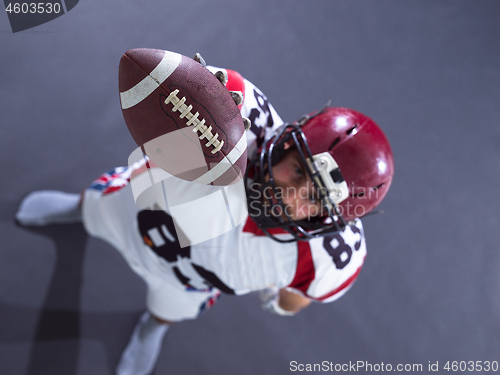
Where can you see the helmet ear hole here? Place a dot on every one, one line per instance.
(349, 131)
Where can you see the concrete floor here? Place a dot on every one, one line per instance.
(427, 71)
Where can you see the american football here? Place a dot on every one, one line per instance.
(182, 116)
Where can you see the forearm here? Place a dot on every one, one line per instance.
(292, 301)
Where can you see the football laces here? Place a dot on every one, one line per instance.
(179, 105)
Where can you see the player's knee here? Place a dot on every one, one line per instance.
(163, 321)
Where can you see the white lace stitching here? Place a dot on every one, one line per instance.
(199, 125)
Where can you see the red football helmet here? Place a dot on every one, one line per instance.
(347, 158)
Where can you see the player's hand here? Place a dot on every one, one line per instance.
(222, 77)
(269, 299)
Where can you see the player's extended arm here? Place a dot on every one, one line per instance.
(283, 301)
(292, 301)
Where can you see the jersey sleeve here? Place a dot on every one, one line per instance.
(327, 267)
(256, 107)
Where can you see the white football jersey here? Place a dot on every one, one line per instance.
(203, 234)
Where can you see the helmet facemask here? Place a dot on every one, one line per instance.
(265, 203)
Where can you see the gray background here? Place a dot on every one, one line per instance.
(427, 71)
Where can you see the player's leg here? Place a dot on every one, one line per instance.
(168, 303)
(46, 207)
(142, 351)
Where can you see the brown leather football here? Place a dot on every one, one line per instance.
(183, 118)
